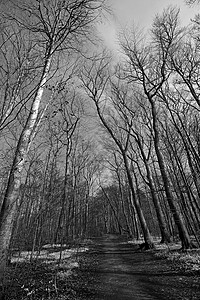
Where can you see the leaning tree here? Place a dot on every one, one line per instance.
(58, 28)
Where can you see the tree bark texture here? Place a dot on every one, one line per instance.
(9, 206)
(175, 210)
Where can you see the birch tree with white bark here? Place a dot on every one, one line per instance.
(56, 27)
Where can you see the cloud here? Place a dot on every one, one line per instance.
(140, 13)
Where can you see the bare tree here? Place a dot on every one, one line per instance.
(147, 67)
(131, 107)
(18, 73)
(95, 78)
(55, 26)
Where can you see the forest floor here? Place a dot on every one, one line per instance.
(122, 271)
(108, 268)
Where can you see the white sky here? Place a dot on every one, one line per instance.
(142, 13)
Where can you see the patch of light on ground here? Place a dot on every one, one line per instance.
(48, 256)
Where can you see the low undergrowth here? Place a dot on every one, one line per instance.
(51, 274)
(188, 260)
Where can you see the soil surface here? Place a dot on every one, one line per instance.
(116, 270)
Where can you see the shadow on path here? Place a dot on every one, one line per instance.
(124, 273)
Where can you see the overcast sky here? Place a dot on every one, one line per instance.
(142, 13)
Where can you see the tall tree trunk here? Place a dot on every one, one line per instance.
(175, 210)
(133, 217)
(147, 235)
(9, 206)
(160, 216)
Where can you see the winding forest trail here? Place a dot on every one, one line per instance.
(125, 273)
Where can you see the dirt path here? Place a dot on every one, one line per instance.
(122, 272)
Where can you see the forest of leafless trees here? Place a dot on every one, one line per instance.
(91, 143)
